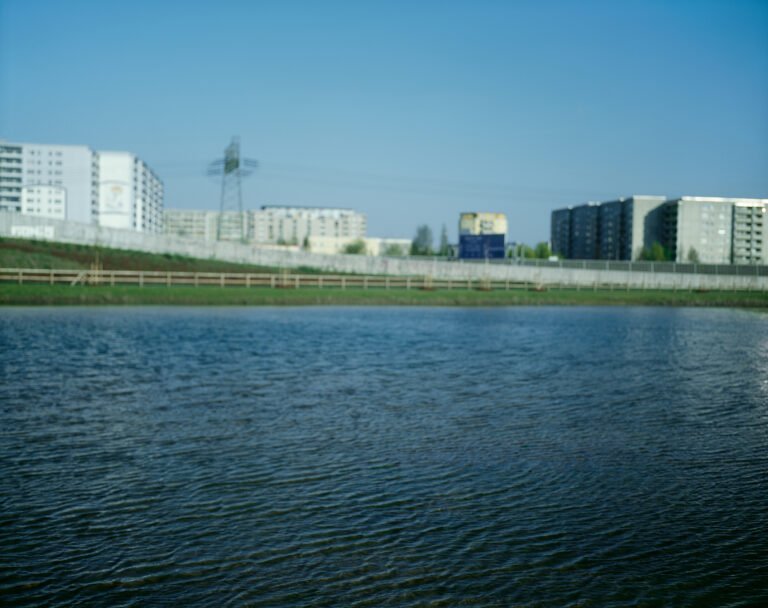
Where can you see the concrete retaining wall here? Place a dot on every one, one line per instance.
(22, 226)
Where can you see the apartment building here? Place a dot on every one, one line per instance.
(710, 230)
(54, 181)
(76, 183)
(130, 193)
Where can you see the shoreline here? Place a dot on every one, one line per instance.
(63, 295)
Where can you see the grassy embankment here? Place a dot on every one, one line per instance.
(158, 295)
(20, 253)
(23, 253)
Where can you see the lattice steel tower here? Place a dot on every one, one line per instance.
(232, 224)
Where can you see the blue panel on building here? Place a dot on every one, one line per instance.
(481, 246)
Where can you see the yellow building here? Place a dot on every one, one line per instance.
(483, 223)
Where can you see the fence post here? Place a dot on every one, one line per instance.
(297, 281)
(141, 278)
(320, 282)
(343, 282)
(408, 283)
(51, 277)
(221, 279)
(272, 281)
(168, 279)
(248, 281)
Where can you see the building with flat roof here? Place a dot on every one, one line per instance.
(482, 235)
(477, 223)
(76, 183)
(286, 224)
(130, 194)
(691, 228)
(271, 224)
(59, 182)
(750, 232)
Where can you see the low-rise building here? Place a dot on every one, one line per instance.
(482, 235)
(374, 246)
(285, 224)
(268, 225)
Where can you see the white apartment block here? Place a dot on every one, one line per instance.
(59, 182)
(130, 194)
(293, 225)
(76, 183)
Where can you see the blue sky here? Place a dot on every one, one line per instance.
(408, 111)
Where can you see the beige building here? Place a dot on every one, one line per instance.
(269, 225)
(373, 245)
(193, 224)
(482, 223)
(293, 225)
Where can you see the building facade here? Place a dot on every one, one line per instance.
(294, 225)
(270, 224)
(690, 229)
(59, 182)
(482, 235)
(76, 183)
(560, 232)
(750, 232)
(192, 224)
(130, 194)
(477, 223)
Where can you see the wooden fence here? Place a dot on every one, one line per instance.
(143, 278)
(96, 277)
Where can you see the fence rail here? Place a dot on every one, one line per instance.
(751, 270)
(141, 278)
(240, 279)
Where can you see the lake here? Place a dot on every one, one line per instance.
(383, 457)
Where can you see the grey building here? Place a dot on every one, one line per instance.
(750, 232)
(714, 230)
(691, 228)
(585, 237)
(560, 232)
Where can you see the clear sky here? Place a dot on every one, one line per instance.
(407, 111)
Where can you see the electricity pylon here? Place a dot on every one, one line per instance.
(231, 225)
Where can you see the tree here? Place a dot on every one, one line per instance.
(543, 251)
(422, 242)
(524, 251)
(693, 255)
(394, 250)
(355, 247)
(305, 245)
(444, 249)
(655, 253)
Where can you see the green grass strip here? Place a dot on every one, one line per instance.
(30, 295)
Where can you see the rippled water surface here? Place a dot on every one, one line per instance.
(384, 457)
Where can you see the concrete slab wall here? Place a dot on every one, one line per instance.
(22, 226)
